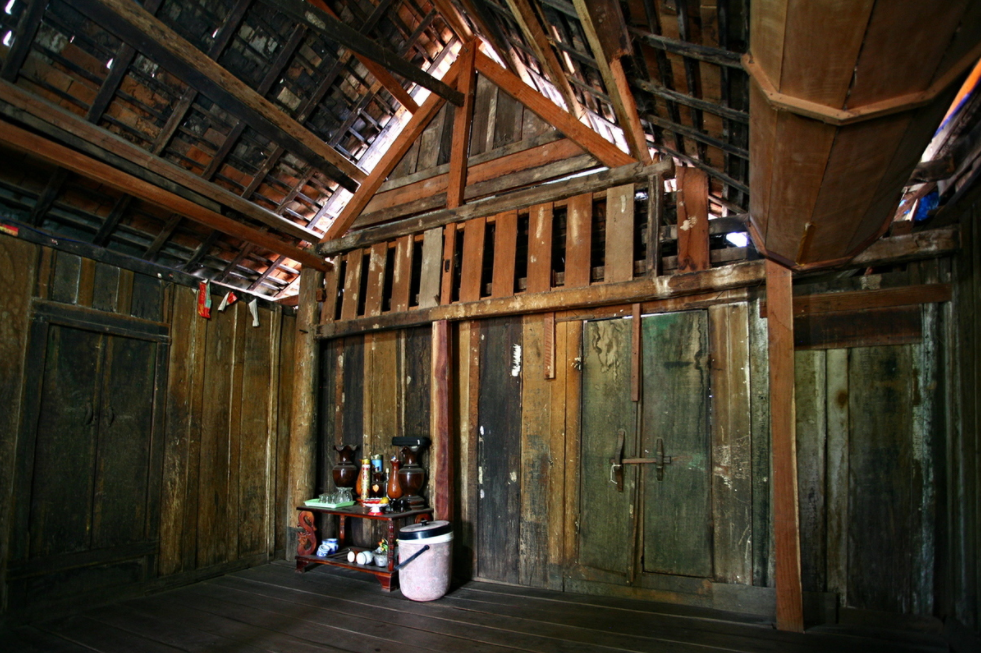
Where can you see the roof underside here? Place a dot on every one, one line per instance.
(163, 106)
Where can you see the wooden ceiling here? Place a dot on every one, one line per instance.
(221, 137)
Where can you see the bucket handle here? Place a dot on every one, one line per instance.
(411, 558)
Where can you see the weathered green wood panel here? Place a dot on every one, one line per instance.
(417, 347)
(810, 386)
(836, 363)
(732, 480)
(606, 517)
(123, 457)
(499, 450)
(535, 456)
(64, 450)
(677, 510)
(882, 512)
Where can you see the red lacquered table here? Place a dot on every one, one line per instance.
(307, 539)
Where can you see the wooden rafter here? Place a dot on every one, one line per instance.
(608, 153)
(106, 141)
(27, 26)
(389, 160)
(53, 153)
(134, 25)
(358, 43)
(383, 77)
(528, 22)
(611, 70)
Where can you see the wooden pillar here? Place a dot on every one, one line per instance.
(303, 428)
(780, 327)
(443, 450)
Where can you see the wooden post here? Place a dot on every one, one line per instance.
(780, 327)
(303, 428)
(462, 119)
(693, 230)
(443, 450)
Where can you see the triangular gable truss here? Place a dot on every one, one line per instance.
(462, 75)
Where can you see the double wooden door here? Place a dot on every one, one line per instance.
(645, 506)
(89, 456)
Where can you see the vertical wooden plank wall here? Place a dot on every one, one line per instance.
(18, 268)
(224, 410)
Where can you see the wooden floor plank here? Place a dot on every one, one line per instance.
(272, 608)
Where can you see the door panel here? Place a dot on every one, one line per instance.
(122, 469)
(677, 509)
(64, 453)
(606, 517)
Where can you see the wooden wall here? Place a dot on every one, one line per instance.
(963, 577)
(186, 481)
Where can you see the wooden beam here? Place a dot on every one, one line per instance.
(136, 26)
(79, 163)
(106, 141)
(48, 196)
(693, 226)
(352, 39)
(30, 20)
(383, 77)
(462, 119)
(740, 275)
(302, 466)
(551, 113)
(517, 200)
(840, 302)
(412, 130)
(539, 42)
(786, 526)
(452, 17)
(717, 56)
(611, 70)
(443, 450)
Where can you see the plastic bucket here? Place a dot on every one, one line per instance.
(427, 576)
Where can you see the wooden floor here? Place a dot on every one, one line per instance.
(272, 608)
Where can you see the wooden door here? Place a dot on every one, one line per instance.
(660, 523)
(88, 462)
(677, 507)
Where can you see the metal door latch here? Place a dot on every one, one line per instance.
(660, 459)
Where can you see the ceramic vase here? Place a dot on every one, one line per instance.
(345, 472)
(394, 489)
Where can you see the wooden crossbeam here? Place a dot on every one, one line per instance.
(412, 130)
(53, 153)
(608, 153)
(611, 70)
(358, 43)
(136, 26)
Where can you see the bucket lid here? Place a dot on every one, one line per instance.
(424, 529)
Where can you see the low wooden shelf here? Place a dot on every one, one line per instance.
(386, 574)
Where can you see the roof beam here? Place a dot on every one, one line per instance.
(352, 39)
(136, 26)
(105, 141)
(528, 22)
(383, 77)
(76, 162)
(27, 26)
(608, 153)
(611, 70)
